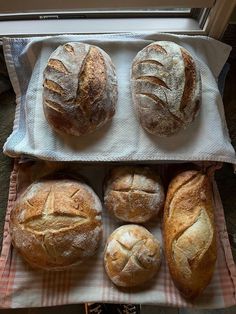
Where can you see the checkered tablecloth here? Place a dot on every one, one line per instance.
(20, 286)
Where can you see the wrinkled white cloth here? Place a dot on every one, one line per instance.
(123, 139)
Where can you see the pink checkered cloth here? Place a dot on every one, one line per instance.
(20, 286)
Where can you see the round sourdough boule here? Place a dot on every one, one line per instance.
(133, 194)
(80, 89)
(56, 224)
(132, 256)
(166, 88)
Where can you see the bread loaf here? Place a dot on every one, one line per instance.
(166, 88)
(132, 256)
(80, 89)
(133, 194)
(56, 223)
(189, 232)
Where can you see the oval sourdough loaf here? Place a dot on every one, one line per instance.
(133, 194)
(132, 256)
(189, 232)
(166, 88)
(56, 223)
(80, 89)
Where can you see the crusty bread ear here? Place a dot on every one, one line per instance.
(166, 88)
(80, 89)
(189, 232)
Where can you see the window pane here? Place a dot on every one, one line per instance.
(16, 6)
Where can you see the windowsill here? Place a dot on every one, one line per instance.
(46, 27)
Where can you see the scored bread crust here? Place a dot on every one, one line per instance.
(133, 194)
(132, 256)
(56, 224)
(189, 232)
(166, 88)
(80, 89)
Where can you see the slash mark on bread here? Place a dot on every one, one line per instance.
(148, 61)
(58, 66)
(162, 104)
(54, 87)
(184, 184)
(53, 105)
(153, 79)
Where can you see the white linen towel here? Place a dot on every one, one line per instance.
(123, 139)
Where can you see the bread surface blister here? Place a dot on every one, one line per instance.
(80, 89)
(166, 88)
(189, 232)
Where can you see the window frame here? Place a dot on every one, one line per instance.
(209, 21)
(61, 5)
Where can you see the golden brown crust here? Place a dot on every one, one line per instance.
(80, 82)
(92, 79)
(56, 223)
(190, 79)
(166, 88)
(132, 256)
(133, 194)
(189, 232)
(157, 48)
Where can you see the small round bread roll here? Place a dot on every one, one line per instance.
(56, 223)
(166, 88)
(132, 256)
(80, 89)
(133, 194)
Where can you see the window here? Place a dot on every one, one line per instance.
(26, 17)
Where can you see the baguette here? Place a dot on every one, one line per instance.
(189, 232)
